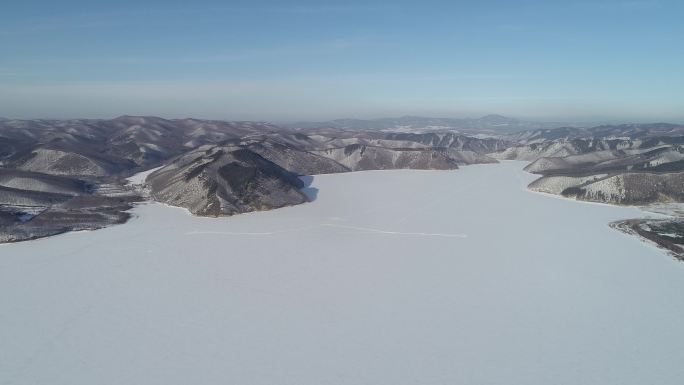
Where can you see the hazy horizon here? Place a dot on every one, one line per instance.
(570, 122)
(593, 61)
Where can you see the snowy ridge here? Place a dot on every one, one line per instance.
(558, 184)
(225, 180)
(360, 157)
(62, 163)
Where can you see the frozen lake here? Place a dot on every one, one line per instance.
(388, 277)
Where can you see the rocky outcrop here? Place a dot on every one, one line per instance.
(225, 180)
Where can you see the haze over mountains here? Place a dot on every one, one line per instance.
(492, 124)
(57, 176)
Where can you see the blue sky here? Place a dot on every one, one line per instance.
(292, 60)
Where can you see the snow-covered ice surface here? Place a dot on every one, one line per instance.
(140, 177)
(388, 277)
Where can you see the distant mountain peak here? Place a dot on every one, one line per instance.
(497, 118)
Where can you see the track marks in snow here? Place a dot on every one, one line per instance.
(386, 232)
(248, 233)
(331, 225)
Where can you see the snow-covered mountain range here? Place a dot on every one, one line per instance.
(56, 174)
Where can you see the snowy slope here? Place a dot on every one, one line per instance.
(558, 184)
(359, 157)
(225, 180)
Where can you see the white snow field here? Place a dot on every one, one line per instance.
(140, 177)
(388, 277)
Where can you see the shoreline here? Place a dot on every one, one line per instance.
(619, 225)
(632, 227)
